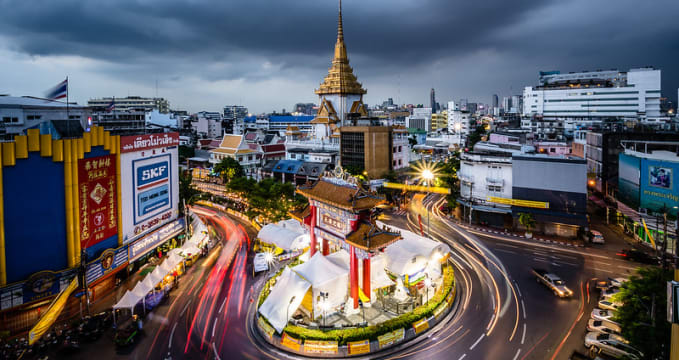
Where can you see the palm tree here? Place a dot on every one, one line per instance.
(528, 222)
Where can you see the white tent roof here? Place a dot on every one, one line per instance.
(379, 277)
(190, 249)
(141, 289)
(319, 270)
(292, 224)
(340, 258)
(417, 244)
(174, 258)
(285, 297)
(167, 265)
(285, 239)
(157, 275)
(128, 301)
(149, 282)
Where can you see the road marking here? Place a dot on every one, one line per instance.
(506, 251)
(222, 307)
(555, 264)
(601, 263)
(169, 344)
(185, 307)
(523, 337)
(509, 245)
(214, 326)
(541, 260)
(518, 290)
(462, 357)
(523, 306)
(517, 354)
(477, 342)
(567, 263)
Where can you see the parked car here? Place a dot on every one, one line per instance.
(596, 237)
(599, 343)
(603, 326)
(600, 314)
(608, 305)
(553, 282)
(638, 256)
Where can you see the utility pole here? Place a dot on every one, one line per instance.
(674, 347)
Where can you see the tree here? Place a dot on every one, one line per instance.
(449, 176)
(642, 315)
(354, 170)
(186, 152)
(186, 191)
(526, 219)
(476, 136)
(229, 169)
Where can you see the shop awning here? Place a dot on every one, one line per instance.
(128, 301)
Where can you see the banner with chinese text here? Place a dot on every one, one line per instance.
(97, 200)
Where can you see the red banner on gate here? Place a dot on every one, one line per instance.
(97, 200)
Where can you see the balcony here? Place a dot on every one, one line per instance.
(495, 181)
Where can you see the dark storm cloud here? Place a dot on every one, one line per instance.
(256, 39)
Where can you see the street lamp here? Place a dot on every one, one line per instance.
(287, 310)
(427, 284)
(325, 306)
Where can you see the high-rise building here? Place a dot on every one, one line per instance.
(432, 99)
(364, 147)
(131, 103)
(232, 115)
(495, 101)
(590, 97)
(305, 109)
(458, 122)
(506, 103)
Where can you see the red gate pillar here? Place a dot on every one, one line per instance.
(312, 235)
(366, 277)
(353, 279)
(326, 246)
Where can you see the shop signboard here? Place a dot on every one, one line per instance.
(149, 182)
(109, 261)
(38, 286)
(659, 187)
(97, 197)
(147, 243)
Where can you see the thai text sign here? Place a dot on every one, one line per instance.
(97, 197)
(320, 347)
(147, 243)
(391, 337)
(146, 142)
(359, 347)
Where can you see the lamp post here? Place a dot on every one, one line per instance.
(287, 310)
(429, 176)
(427, 284)
(324, 305)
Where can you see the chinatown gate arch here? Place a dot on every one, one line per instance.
(339, 217)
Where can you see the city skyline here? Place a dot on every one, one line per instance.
(204, 56)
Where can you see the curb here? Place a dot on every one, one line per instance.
(508, 234)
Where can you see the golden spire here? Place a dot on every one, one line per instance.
(340, 78)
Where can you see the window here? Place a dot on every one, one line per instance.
(552, 150)
(400, 162)
(15, 120)
(399, 149)
(494, 188)
(6, 119)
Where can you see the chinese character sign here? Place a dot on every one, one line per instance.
(97, 199)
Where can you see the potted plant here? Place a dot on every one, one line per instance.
(528, 222)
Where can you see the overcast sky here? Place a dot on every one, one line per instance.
(270, 54)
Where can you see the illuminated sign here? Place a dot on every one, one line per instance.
(97, 199)
(517, 202)
(147, 142)
(420, 188)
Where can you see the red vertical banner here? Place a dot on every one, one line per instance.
(97, 200)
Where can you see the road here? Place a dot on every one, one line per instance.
(554, 327)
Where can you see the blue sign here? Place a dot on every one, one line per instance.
(39, 286)
(142, 246)
(659, 187)
(152, 188)
(152, 173)
(109, 260)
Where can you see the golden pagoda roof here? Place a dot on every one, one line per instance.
(343, 197)
(340, 78)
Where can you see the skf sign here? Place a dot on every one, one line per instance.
(151, 173)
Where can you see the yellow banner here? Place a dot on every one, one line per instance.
(52, 313)
(320, 347)
(265, 327)
(517, 202)
(290, 342)
(648, 233)
(420, 188)
(391, 337)
(359, 347)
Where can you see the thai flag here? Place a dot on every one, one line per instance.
(111, 106)
(58, 92)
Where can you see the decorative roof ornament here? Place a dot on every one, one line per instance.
(340, 79)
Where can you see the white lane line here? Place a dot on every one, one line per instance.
(169, 344)
(523, 306)
(517, 354)
(184, 309)
(462, 357)
(214, 348)
(222, 307)
(601, 263)
(567, 263)
(523, 337)
(477, 342)
(518, 290)
(541, 260)
(509, 245)
(214, 326)
(555, 264)
(506, 251)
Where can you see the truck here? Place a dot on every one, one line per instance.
(553, 282)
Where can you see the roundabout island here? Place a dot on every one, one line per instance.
(345, 284)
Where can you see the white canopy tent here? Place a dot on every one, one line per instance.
(284, 238)
(285, 297)
(292, 224)
(378, 264)
(128, 301)
(326, 277)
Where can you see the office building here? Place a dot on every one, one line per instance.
(232, 115)
(495, 101)
(458, 122)
(130, 103)
(52, 117)
(127, 122)
(439, 121)
(207, 124)
(363, 147)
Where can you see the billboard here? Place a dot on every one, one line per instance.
(628, 180)
(97, 189)
(150, 183)
(110, 260)
(658, 187)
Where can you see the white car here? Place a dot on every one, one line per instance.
(617, 282)
(609, 305)
(607, 293)
(603, 326)
(599, 314)
(599, 343)
(597, 238)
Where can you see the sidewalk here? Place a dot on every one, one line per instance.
(547, 239)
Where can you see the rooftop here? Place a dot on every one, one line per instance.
(370, 237)
(342, 196)
(30, 101)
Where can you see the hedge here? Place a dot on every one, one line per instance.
(343, 336)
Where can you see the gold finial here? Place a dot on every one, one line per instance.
(340, 32)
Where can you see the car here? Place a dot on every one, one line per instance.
(600, 314)
(553, 282)
(617, 282)
(596, 237)
(609, 305)
(599, 343)
(607, 293)
(638, 256)
(603, 326)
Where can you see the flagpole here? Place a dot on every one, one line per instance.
(67, 116)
